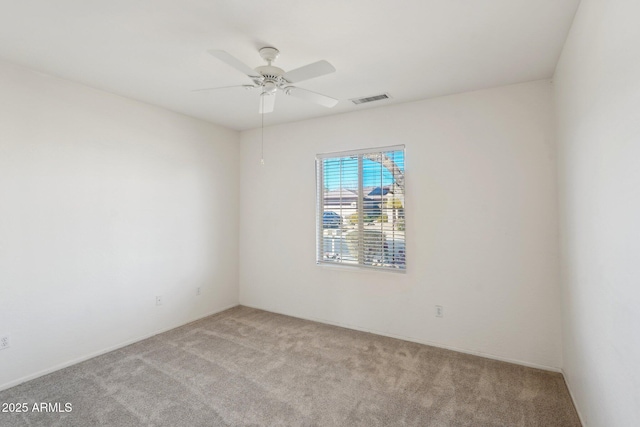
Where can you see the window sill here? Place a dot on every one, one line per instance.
(359, 268)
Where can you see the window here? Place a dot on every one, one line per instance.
(360, 208)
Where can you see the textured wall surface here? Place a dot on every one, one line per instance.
(105, 203)
(598, 120)
(481, 217)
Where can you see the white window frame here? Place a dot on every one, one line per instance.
(320, 230)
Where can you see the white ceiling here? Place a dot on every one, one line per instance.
(154, 50)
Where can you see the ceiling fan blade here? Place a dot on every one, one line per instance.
(310, 71)
(267, 101)
(307, 95)
(224, 87)
(235, 63)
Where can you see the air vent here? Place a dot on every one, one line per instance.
(359, 101)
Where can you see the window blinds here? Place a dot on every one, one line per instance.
(360, 208)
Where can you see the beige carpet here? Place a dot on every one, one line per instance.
(247, 367)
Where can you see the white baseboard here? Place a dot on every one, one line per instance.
(418, 341)
(328, 322)
(105, 350)
(573, 399)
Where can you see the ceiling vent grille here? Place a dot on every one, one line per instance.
(359, 101)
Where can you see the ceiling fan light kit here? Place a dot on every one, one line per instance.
(271, 79)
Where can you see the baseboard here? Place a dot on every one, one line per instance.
(410, 339)
(105, 350)
(313, 319)
(573, 399)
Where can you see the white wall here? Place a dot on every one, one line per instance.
(481, 224)
(597, 87)
(105, 203)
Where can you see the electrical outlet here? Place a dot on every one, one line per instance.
(4, 342)
(198, 290)
(439, 311)
(159, 300)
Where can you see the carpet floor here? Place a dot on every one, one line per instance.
(248, 367)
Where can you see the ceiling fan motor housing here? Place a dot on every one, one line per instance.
(272, 78)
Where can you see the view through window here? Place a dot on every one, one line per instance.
(360, 208)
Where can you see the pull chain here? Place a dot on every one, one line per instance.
(262, 130)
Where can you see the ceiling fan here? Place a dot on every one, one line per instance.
(270, 79)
